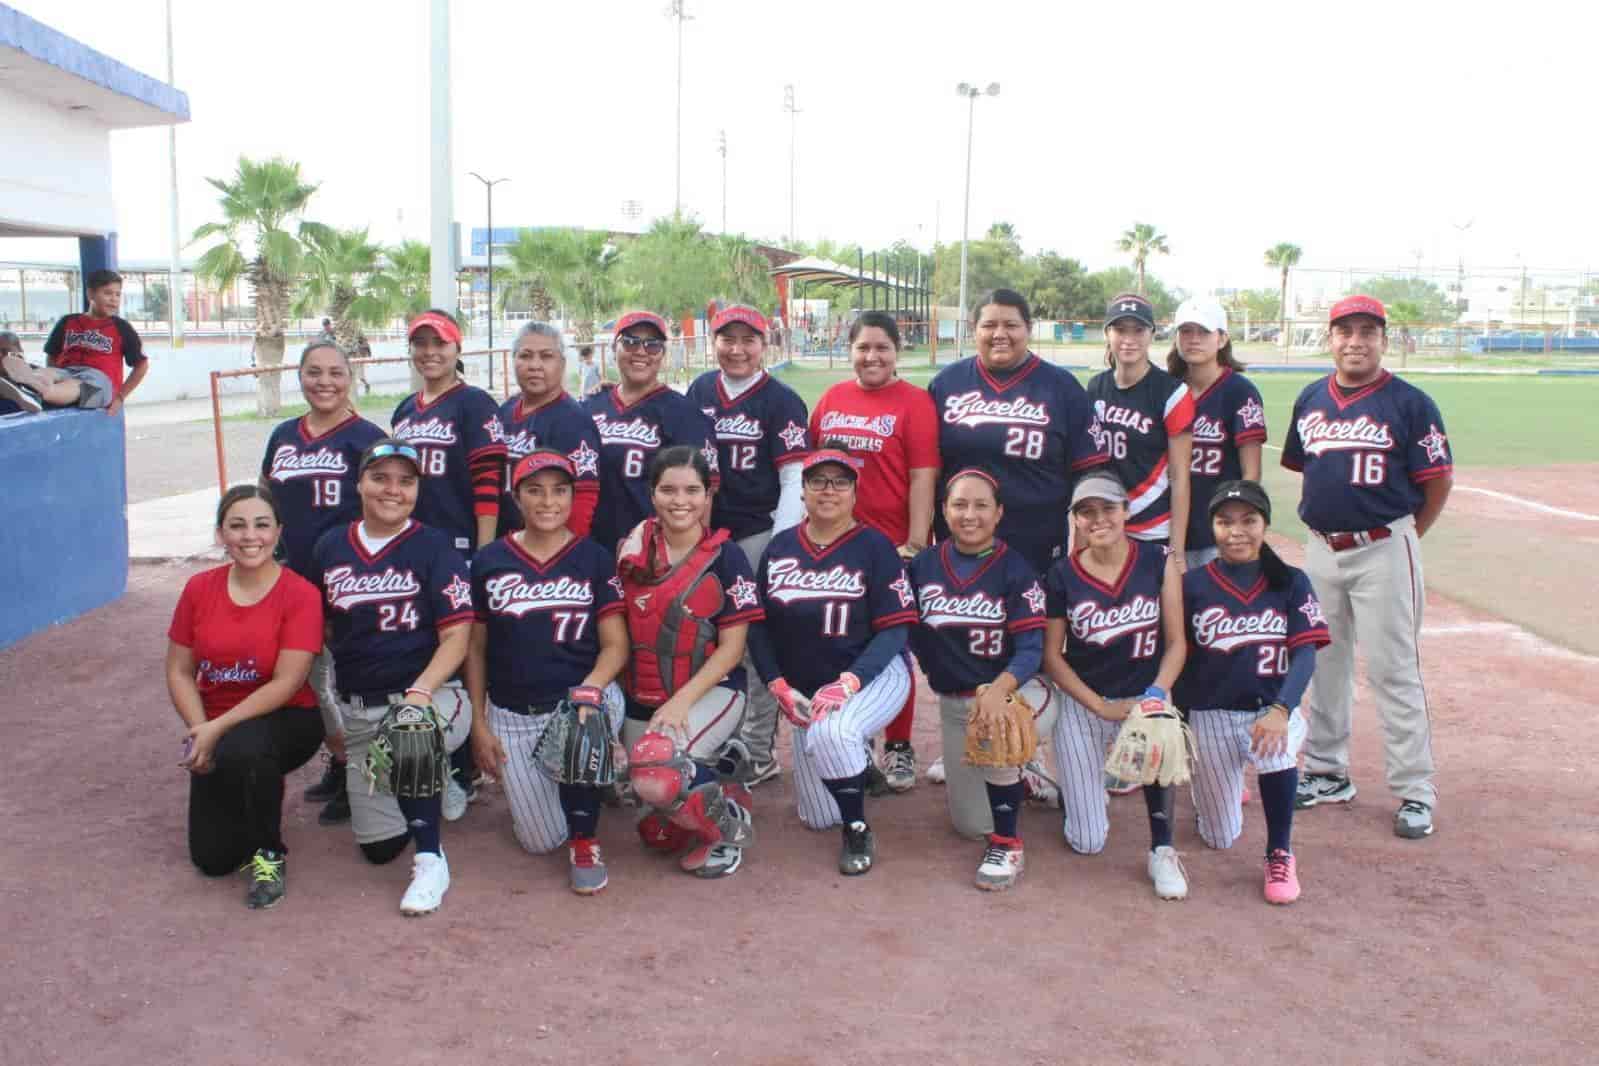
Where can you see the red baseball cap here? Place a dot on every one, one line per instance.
(739, 313)
(820, 456)
(1358, 305)
(635, 318)
(445, 326)
(543, 459)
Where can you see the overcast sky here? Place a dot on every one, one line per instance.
(1364, 132)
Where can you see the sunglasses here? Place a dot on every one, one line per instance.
(650, 345)
(391, 451)
(822, 482)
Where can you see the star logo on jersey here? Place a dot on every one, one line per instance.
(458, 592)
(744, 593)
(1311, 609)
(709, 451)
(793, 437)
(1252, 414)
(585, 460)
(616, 585)
(907, 598)
(495, 431)
(1035, 598)
(1436, 444)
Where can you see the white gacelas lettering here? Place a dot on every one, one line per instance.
(1116, 415)
(1218, 628)
(514, 595)
(346, 588)
(429, 431)
(974, 409)
(881, 425)
(1100, 626)
(940, 608)
(1208, 430)
(1318, 434)
(633, 431)
(289, 462)
(788, 582)
(738, 427)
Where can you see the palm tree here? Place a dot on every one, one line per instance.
(258, 204)
(1143, 241)
(344, 278)
(1284, 257)
(535, 259)
(1405, 315)
(583, 276)
(410, 268)
(748, 273)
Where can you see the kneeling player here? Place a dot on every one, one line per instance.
(1114, 637)
(1253, 627)
(549, 628)
(398, 607)
(689, 599)
(832, 649)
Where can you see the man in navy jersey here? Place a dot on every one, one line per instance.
(636, 419)
(544, 416)
(761, 438)
(1377, 472)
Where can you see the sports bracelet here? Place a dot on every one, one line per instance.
(419, 689)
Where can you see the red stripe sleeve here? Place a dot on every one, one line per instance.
(450, 621)
(487, 466)
(1292, 464)
(898, 618)
(1250, 436)
(1432, 473)
(1318, 637)
(585, 498)
(754, 614)
(614, 607)
(1090, 460)
(1022, 625)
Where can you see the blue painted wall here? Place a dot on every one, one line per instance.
(64, 535)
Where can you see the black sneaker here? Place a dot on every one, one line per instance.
(21, 395)
(858, 851)
(268, 873)
(332, 783)
(337, 811)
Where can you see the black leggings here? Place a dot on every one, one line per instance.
(238, 807)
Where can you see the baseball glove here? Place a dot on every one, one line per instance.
(1154, 746)
(407, 757)
(1012, 742)
(575, 752)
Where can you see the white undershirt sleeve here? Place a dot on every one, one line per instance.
(790, 504)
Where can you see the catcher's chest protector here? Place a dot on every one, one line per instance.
(672, 624)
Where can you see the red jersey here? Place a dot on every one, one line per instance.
(103, 343)
(236, 648)
(893, 430)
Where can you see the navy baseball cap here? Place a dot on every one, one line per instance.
(389, 448)
(1249, 493)
(1130, 305)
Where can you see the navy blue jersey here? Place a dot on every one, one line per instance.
(462, 448)
(823, 605)
(562, 424)
(630, 437)
(1239, 640)
(542, 619)
(313, 479)
(385, 610)
(964, 636)
(1139, 422)
(1114, 639)
(1034, 430)
(1226, 415)
(756, 432)
(1364, 454)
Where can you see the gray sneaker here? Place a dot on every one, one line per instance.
(1413, 820)
(762, 772)
(587, 867)
(455, 800)
(859, 850)
(899, 767)
(1316, 789)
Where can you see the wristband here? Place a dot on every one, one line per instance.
(1155, 692)
(419, 690)
(585, 695)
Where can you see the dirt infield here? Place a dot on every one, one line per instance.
(1471, 947)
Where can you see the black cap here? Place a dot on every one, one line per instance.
(1130, 305)
(1241, 491)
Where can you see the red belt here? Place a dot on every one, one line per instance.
(1342, 542)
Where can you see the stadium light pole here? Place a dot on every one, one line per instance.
(971, 93)
(721, 146)
(489, 188)
(175, 272)
(676, 11)
(788, 106)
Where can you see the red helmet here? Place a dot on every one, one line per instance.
(659, 771)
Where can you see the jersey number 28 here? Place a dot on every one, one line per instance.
(1024, 443)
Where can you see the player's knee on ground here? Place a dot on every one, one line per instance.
(535, 842)
(218, 865)
(1087, 836)
(1218, 837)
(1001, 776)
(381, 852)
(833, 743)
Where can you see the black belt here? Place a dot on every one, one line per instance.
(379, 697)
(1342, 542)
(531, 709)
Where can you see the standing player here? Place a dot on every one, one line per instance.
(838, 612)
(1253, 626)
(636, 419)
(690, 600)
(99, 339)
(890, 427)
(310, 467)
(238, 653)
(1377, 472)
(544, 416)
(1114, 638)
(1229, 419)
(760, 440)
(981, 612)
(398, 607)
(549, 627)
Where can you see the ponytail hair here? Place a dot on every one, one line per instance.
(1279, 575)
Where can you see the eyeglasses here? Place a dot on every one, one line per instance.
(391, 451)
(821, 482)
(650, 345)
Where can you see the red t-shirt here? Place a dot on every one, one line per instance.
(893, 430)
(103, 343)
(236, 648)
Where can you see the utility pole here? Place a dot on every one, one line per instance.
(721, 146)
(489, 187)
(971, 93)
(676, 11)
(175, 272)
(788, 105)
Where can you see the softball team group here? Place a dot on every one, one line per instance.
(693, 567)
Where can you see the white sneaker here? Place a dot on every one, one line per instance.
(935, 772)
(430, 879)
(455, 800)
(1166, 870)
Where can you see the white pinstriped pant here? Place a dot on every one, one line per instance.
(1221, 748)
(535, 798)
(1081, 739)
(836, 747)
